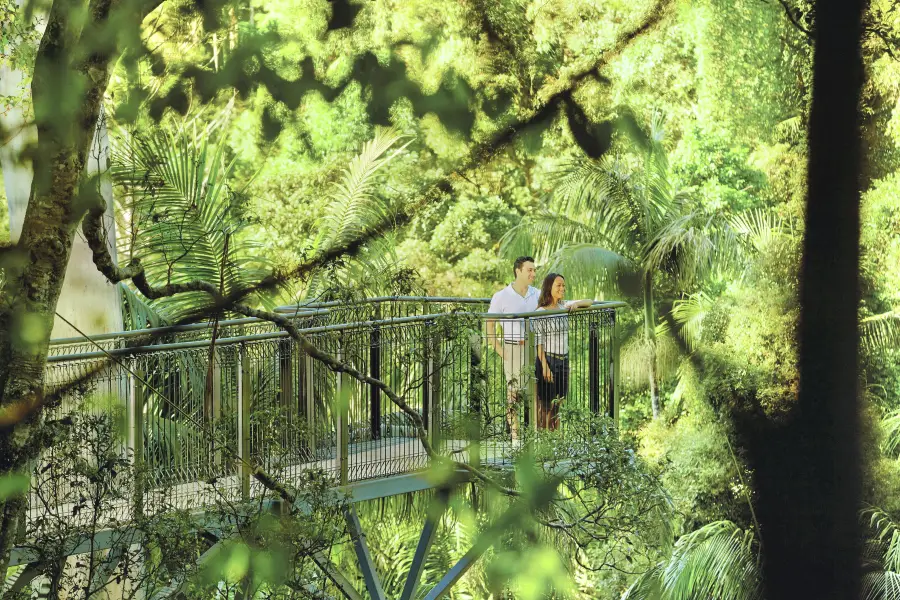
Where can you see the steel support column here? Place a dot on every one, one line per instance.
(432, 521)
(373, 584)
(106, 568)
(27, 575)
(337, 578)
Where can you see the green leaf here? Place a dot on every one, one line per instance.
(13, 485)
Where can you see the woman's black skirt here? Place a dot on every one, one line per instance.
(550, 394)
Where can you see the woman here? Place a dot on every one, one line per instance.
(552, 363)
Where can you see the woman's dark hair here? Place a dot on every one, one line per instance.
(546, 296)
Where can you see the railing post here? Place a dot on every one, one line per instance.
(426, 382)
(375, 372)
(308, 379)
(286, 360)
(342, 412)
(288, 405)
(614, 368)
(433, 377)
(216, 405)
(243, 424)
(476, 368)
(531, 420)
(135, 428)
(594, 365)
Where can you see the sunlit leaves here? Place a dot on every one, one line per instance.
(718, 560)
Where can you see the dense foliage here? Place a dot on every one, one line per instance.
(252, 136)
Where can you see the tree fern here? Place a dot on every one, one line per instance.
(184, 220)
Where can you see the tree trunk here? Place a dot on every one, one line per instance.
(65, 131)
(87, 300)
(650, 333)
(808, 468)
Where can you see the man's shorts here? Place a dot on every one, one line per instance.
(514, 366)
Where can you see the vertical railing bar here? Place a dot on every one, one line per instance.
(375, 372)
(432, 341)
(342, 413)
(528, 374)
(614, 367)
(135, 416)
(309, 392)
(243, 424)
(594, 367)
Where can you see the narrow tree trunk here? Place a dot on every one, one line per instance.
(650, 333)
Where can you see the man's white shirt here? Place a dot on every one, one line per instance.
(509, 300)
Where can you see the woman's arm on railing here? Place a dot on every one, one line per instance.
(578, 304)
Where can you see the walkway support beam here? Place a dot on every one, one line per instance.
(435, 512)
(373, 584)
(336, 577)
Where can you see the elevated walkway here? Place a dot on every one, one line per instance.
(192, 396)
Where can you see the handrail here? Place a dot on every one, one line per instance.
(300, 310)
(376, 299)
(600, 305)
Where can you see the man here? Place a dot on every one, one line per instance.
(517, 297)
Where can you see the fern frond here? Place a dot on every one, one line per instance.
(881, 333)
(718, 560)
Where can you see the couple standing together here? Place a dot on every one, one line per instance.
(551, 365)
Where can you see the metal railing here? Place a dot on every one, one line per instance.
(256, 391)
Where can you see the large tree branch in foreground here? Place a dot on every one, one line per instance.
(93, 232)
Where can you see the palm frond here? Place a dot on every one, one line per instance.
(688, 313)
(881, 561)
(758, 227)
(185, 219)
(139, 314)
(881, 333)
(685, 247)
(718, 560)
(880, 585)
(601, 192)
(353, 207)
(589, 268)
(543, 234)
(890, 430)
